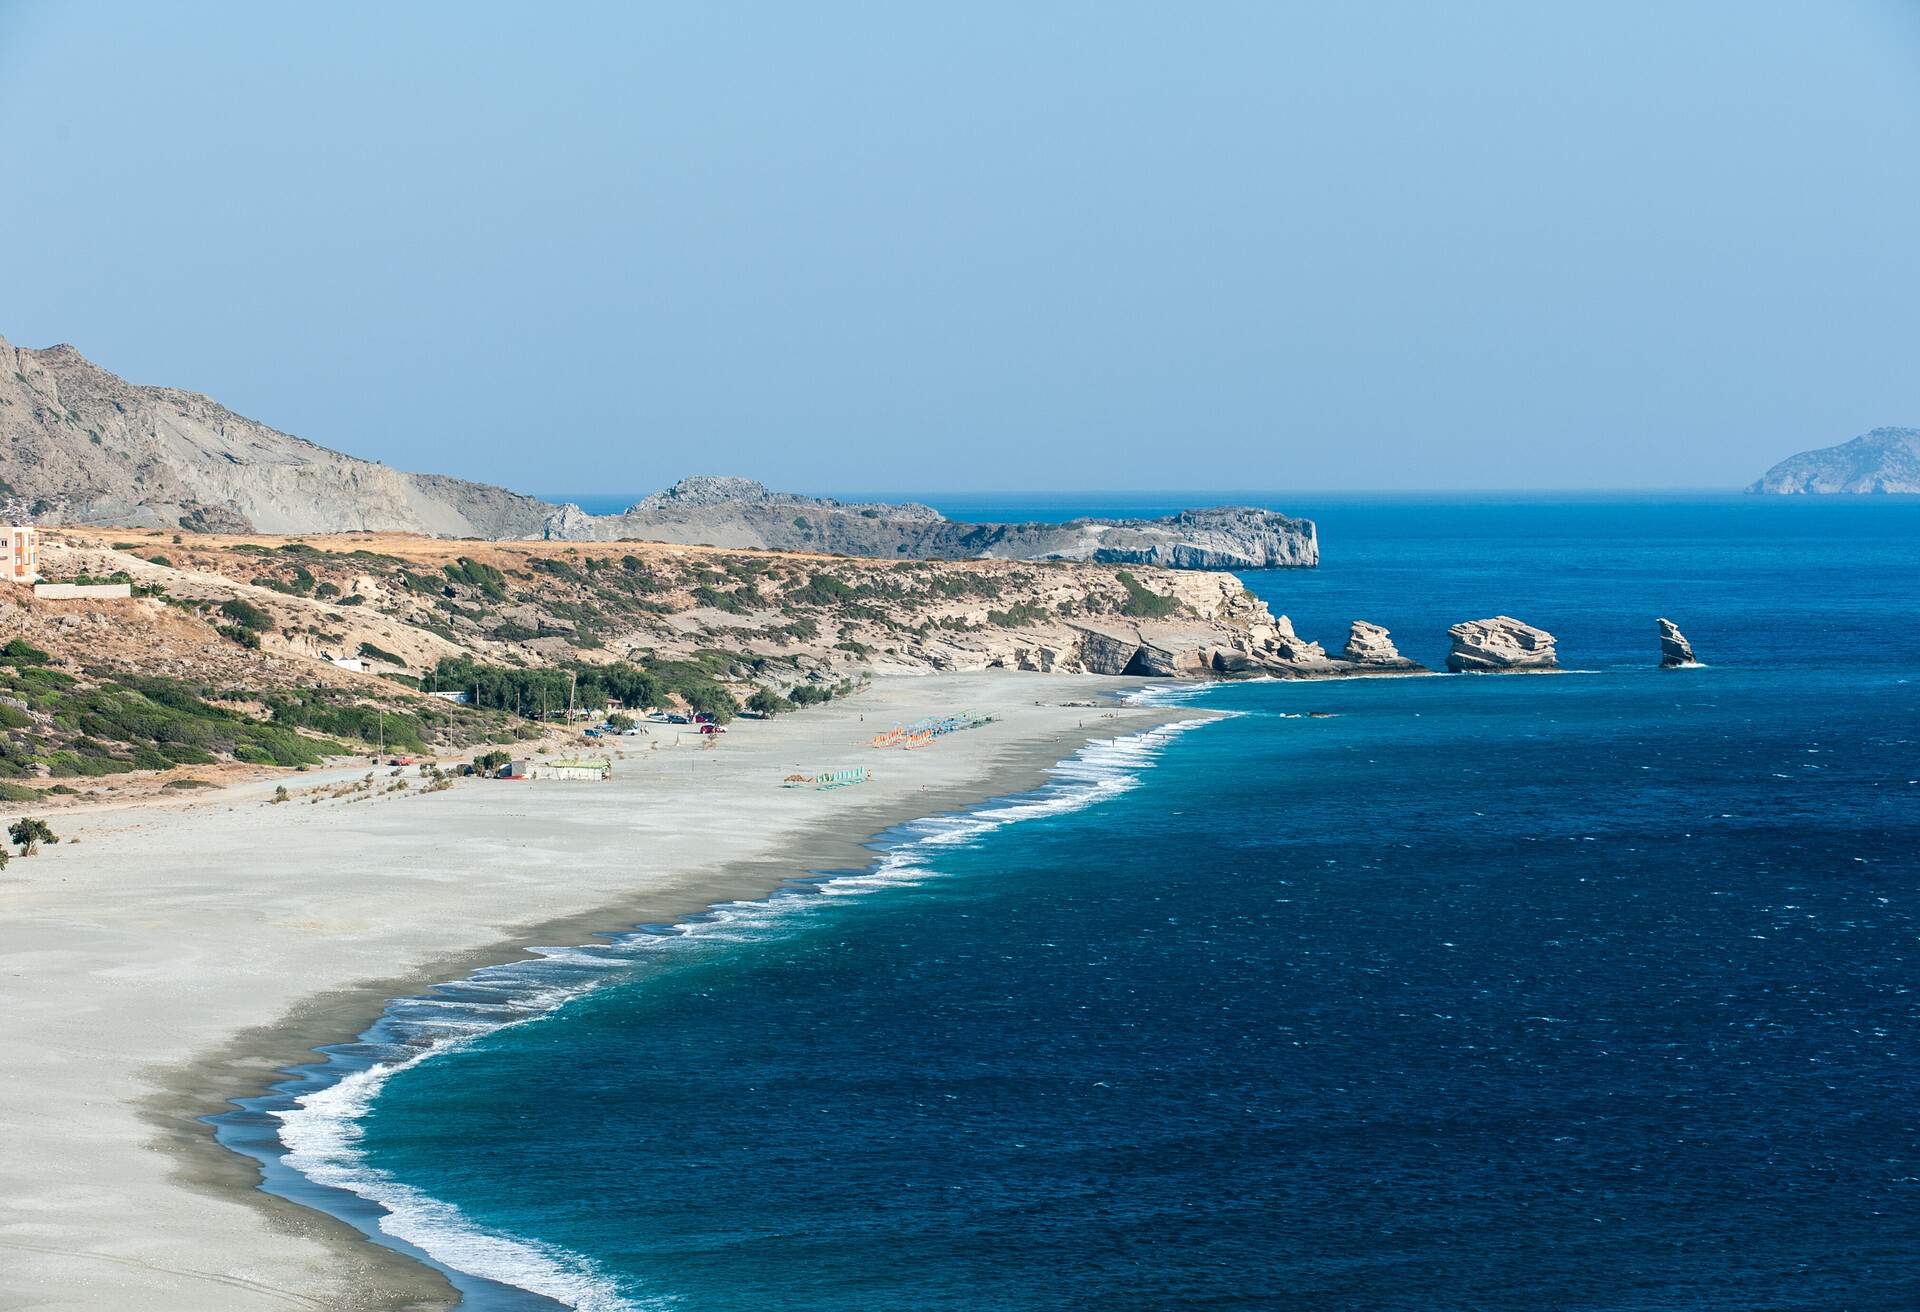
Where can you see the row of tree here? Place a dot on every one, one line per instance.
(546, 692)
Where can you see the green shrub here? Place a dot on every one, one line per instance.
(767, 702)
(480, 575)
(820, 590)
(245, 614)
(29, 833)
(1141, 601)
(1019, 615)
(557, 568)
(20, 652)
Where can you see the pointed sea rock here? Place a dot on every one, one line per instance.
(1675, 650)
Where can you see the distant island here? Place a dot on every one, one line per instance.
(1883, 460)
(81, 446)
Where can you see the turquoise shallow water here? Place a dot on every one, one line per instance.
(1594, 991)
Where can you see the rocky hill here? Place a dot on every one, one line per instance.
(737, 512)
(79, 445)
(1883, 460)
(230, 650)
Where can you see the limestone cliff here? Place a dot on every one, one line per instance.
(415, 600)
(737, 512)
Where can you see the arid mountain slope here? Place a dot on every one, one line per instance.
(82, 446)
(79, 445)
(1883, 460)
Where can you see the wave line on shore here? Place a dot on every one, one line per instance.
(320, 1127)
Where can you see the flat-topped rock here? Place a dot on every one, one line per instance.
(1675, 650)
(1370, 645)
(1501, 645)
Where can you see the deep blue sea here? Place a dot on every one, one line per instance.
(1599, 991)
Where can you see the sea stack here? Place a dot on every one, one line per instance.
(1294, 649)
(1675, 650)
(1501, 645)
(1369, 645)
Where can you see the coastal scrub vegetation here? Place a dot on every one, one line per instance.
(518, 628)
(1142, 602)
(767, 702)
(28, 833)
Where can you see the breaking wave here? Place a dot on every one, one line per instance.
(318, 1115)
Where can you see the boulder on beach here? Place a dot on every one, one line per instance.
(1369, 645)
(1500, 645)
(1675, 650)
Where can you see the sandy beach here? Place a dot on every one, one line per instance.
(165, 959)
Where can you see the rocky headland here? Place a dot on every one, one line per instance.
(81, 446)
(1883, 460)
(738, 512)
(1501, 645)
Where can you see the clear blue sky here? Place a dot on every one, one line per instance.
(989, 246)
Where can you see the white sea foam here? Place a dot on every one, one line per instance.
(322, 1130)
(322, 1136)
(1164, 694)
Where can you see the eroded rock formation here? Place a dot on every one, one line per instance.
(1675, 650)
(1500, 645)
(1370, 645)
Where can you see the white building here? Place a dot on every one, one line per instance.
(353, 663)
(595, 769)
(19, 553)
